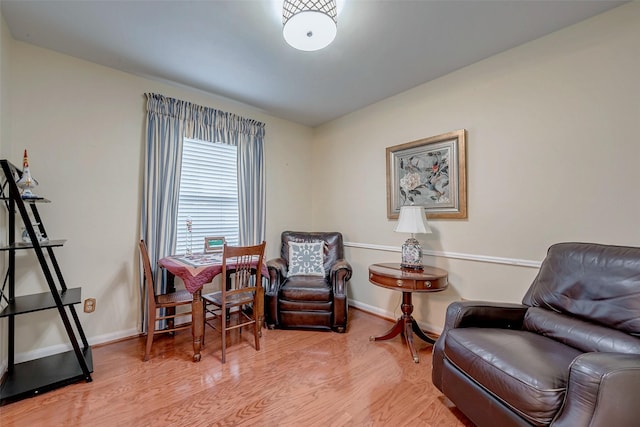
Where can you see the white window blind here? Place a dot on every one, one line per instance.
(208, 194)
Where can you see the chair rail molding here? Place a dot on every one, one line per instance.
(454, 255)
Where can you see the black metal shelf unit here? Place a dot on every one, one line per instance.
(36, 376)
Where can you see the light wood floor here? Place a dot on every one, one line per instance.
(298, 378)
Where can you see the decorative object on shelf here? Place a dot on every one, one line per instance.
(309, 24)
(412, 220)
(26, 182)
(27, 239)
(431, 172)
(189, 236)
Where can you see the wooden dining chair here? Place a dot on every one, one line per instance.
(168, 301)
(240, 300)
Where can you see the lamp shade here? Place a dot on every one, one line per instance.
(412, 219)
(309, 24)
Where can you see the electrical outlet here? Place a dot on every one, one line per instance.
(89, 305)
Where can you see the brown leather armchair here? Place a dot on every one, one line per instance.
(317, 301)
(568, 356)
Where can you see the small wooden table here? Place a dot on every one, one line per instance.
(391, 276)
(195, 271)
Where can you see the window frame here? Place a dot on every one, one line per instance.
(208, 194)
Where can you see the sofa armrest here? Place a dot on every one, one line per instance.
(484, 314)
(277, 273)
(339, 275)
(602, 391)
(477, 314)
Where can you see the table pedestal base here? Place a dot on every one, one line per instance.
(406, 325)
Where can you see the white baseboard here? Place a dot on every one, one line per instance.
(392, 316)
(59, 348)
(130, 333)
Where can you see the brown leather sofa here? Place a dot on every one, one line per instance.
(568, 356)
(308, 301)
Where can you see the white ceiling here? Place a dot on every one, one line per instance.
(235, 48)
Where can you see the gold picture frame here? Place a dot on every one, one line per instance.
(430, 172)
(214, 244)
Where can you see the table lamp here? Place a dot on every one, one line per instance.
(412, 220)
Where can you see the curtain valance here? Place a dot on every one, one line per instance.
(205, 123)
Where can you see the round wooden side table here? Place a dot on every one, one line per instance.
(392, 276)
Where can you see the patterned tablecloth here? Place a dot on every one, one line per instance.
(196, 270)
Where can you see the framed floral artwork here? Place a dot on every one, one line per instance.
(430, 172)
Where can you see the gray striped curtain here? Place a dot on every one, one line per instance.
(248, 136)
(170, 120)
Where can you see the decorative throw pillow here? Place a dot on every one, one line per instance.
(306, 258)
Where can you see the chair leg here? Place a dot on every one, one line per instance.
(256, 332)
(204, 320)
(151, 326)
(223, 330)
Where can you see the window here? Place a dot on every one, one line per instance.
(208, 194)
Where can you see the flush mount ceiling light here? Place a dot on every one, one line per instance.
(309, 24)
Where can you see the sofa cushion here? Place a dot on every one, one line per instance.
(333, 246)
(306, 288)
(526, 371)
(598, 283)
(583, 335)
(315, 306)
(306, 259)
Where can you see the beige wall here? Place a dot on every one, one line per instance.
(83, 125)
(552, 156)
(5, 41)
(552, 149)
